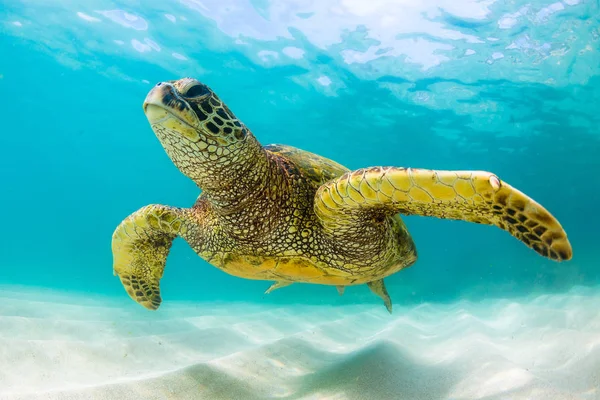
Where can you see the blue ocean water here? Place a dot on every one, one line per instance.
(78, 155)
(508, 87)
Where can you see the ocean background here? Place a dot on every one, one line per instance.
(511, 87)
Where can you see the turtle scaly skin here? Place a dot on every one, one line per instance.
(283, 214)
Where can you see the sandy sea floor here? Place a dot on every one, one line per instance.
(64, 346)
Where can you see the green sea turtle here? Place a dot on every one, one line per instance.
(283, 214)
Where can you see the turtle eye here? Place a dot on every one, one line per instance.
(197, 91)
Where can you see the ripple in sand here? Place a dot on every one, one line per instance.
(64, 346)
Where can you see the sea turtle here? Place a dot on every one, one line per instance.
(283, 214)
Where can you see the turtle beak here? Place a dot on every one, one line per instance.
(164, 108)
(164, 102)
(154, 105)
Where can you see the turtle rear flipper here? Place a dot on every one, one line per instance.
(378, 287)
(361, 196)
(278, 285)
(140, 247)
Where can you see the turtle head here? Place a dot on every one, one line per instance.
(198, 131)
(190, 110)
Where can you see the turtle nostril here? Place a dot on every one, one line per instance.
(158, 84)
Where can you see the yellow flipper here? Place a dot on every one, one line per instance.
(278, 285)
(378, 287)
(140, 247)
(474, 196)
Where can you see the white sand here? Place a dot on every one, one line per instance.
(59, 346)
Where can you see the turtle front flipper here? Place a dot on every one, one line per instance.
(475, 196)
(140, 247)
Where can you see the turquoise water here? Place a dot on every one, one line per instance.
(78, 154)
(508, 87)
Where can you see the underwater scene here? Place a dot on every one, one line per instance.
(300, 199)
